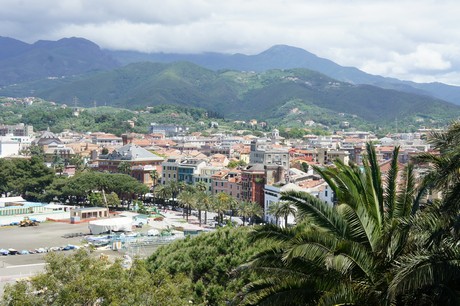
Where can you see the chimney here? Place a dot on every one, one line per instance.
(127, 138)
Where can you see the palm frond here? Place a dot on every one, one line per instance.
(425, 268)
(316, 211)
(391, 182)
(376, 175)
(405, 199)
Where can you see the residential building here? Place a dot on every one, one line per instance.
(229, 182)
(142, 162)
(253, 181)
(167, 129)
(20, 129)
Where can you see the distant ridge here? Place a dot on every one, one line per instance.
(287, 57)
(288, 94)
(21, 62)
(281, 83)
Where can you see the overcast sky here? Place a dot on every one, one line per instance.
(411, 40)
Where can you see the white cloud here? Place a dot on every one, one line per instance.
(404, 38)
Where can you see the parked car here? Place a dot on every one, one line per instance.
(12, 251)
(69, 247)
(4, 252)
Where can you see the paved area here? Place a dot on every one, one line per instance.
(47, 234)
(52, 234)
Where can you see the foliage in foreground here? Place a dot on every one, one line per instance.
(83, 279)
(209, 260)
(372, 248)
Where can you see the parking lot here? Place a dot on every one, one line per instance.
(47, 234)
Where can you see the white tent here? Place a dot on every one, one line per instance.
(107, 225)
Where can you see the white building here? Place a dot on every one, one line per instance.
(12, 145)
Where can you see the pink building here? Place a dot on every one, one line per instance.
(227, 181)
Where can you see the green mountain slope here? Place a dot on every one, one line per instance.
(267, 95)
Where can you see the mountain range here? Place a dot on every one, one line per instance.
(276, 83)
(287, 57)
(21, 62)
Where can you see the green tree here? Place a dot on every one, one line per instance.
(256, 210)
(95, 199)
(97, 281)
(249, 210)
(209, 260)
(187, 199)
(206, 199)
(221, 204)
(304, 167)
(343, 254)
(124, 168)
(163, 192)
(30, 178)
(285, 209)
(236, 163)
(155, 176)
(78, 162)
(112, 199)
(274, 210)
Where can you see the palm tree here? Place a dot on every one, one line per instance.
(220, 205)
(154, 175)
(256, 210)
(187, 199)
(444, 176)
(343, 254)
(232, 203)
(273, 210)
(174, 189)
(207, 200)
(285, 208)
(244, 210)
(200, 205)
(201, 186)
(124, 167)
(163, 192)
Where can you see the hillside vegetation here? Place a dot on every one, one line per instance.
(241, 95)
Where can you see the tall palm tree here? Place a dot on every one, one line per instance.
(343, 254)
(207, 199)
(285, 209)
(220, 205)
(444, 176)
(244, 210)
(174, 190)
(201, 186)
(200, 205)
(256, 210)
(187, 199)
(232, 204)
(163, 192)
(274, 210)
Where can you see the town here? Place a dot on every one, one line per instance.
(245, 168)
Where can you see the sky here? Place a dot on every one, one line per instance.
(410, 40)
